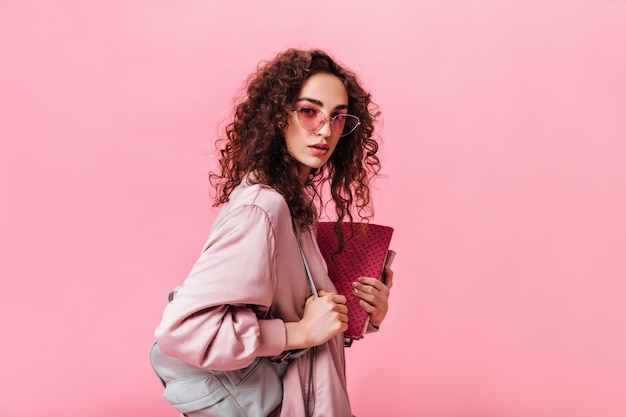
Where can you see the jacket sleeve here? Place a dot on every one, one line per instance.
(210, 322)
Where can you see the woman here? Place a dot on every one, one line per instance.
(305, 123)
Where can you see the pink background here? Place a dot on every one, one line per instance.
(504, 145)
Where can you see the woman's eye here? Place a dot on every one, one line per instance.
(307, 111)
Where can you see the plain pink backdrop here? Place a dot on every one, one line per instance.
(504, 145)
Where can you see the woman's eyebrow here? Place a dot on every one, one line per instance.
(319, 103)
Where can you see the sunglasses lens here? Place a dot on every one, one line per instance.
(310, 119)
(339, 123)
(345, 123)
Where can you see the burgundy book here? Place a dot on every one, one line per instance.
(364, 255)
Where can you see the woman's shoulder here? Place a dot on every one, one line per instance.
(250, 195)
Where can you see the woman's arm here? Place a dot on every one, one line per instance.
(212, 322)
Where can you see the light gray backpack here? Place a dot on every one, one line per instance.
(254, 391)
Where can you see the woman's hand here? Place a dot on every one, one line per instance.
(374, 295)
(324, 317)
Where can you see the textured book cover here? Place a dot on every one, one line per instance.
(364, 255)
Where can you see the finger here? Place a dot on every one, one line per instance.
(373, 298)
(339, 299)
(370, 281)
(332, 296)
(367, 306)
(370, 286)
(341, 309)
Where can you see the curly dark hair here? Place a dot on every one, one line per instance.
(255, 142)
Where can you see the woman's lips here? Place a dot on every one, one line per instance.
(319, 149)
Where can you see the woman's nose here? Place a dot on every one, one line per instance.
(325, 129)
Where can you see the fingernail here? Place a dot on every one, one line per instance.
(354, 284)
(355, 291)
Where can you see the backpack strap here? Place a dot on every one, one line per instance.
(306, 264)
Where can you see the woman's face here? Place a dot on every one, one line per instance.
(323, 93)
